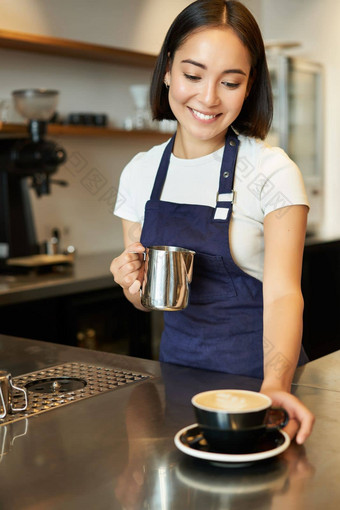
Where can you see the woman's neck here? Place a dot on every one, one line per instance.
(187, 147)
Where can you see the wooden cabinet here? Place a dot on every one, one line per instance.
(100, 319)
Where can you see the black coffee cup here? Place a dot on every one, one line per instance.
(233, 421)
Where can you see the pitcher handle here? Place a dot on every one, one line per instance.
(26, 402)
(139, 253)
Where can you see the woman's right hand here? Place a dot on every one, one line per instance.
(128, 268)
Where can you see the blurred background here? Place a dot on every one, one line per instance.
(307, 100)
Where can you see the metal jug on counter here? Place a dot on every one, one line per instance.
(6, 395)
(167, 274)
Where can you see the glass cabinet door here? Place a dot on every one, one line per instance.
(298, 122)
(278, 134)
(305, 144)
(297, 125)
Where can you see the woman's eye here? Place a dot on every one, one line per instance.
(231, 85)
(191, 77)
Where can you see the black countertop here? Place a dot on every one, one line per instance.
(319, 239)
(89, 272)
(116, 450)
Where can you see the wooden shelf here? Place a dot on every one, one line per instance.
(90, 131)
(70, 48)
(73, 49)
(108, 132)
(12, 129)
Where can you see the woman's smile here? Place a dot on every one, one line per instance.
(203, 116)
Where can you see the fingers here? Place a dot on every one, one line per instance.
(292, 428)
(128, 268)
(306, 427)
(302, 417)
(135, 247)
(134, 288)
(137, 284)
(301, 420)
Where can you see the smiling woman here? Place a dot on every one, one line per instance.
(207, 89)
(217, 189)
(256, 114)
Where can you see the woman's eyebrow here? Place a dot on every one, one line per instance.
(202, 66)
(194, 63)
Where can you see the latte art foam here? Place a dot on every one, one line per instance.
(226, 401)
(232, 400)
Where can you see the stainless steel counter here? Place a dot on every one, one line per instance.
(323, 373)
(89, 272)
(116, 450)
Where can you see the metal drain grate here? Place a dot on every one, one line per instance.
(51, 388)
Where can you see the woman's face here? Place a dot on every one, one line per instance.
(209, 80)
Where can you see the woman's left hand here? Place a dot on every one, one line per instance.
(301, 420)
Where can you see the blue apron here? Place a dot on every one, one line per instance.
(222, 327)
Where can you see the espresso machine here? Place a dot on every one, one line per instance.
(27, 160)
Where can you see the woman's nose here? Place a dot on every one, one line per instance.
(209, 94)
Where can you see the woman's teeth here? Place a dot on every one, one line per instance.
(202, 116)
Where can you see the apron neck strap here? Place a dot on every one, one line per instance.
(225, 196)
(228, 163)
(162, 170)
(227, 166)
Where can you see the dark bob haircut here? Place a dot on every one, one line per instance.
(257, 111)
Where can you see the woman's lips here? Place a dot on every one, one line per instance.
(202, 116)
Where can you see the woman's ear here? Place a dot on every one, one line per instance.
(167, 79)
(167, 73)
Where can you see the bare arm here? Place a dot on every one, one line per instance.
(128, 268)
(284, 234)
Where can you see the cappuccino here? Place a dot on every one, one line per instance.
(232, 401)
(233, 420)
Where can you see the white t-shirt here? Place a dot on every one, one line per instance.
(265, 180)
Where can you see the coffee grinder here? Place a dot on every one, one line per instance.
(27, 160)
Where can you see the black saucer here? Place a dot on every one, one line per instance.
(268, 441)
(191, 442)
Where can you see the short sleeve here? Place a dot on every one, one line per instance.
(126, 207)
(280, 182)
(136, 182)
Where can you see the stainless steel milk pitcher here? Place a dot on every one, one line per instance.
(6, 395)
(167, 274)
